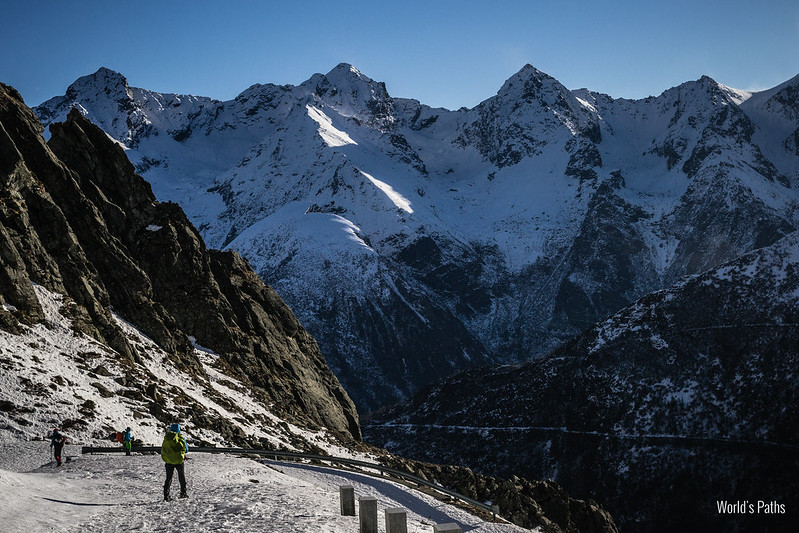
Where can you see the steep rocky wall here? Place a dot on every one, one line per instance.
(75, 218)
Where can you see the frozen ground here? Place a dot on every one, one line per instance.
(113, 492)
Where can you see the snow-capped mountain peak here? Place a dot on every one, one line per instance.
(104, 80)
(491, 233)
(525, 81)
(345, 71)
(352, 94)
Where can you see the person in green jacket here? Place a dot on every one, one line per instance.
(173, 452)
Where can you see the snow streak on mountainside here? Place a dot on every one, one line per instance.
(413, 241)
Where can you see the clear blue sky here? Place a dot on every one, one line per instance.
(442, 52)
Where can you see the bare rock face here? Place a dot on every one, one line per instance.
(77, 219)
(39, 243)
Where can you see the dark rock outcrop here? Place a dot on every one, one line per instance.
(529, 504)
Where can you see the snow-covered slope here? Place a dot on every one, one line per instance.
(54, 377)
(414, 241)
(111, 493)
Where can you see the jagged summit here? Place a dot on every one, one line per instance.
(351, 94)
(529, 72)
(342, 77)
(714, 87)
(102, 93)
(348, 79)
(346, 69)
(705, 89)
(527, 82)
(103, 80)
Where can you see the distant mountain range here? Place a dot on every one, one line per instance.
(414, 242)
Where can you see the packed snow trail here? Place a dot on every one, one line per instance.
(99, 493)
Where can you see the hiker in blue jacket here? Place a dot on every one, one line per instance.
(173, 452)
(127, 441)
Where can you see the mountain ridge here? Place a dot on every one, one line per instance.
(544, 209)
(113, 313)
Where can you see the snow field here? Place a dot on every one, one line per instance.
(97, 493)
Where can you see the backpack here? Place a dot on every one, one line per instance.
(173, 450)
(119, 436)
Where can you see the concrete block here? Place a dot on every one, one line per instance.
(347, 497)
(447, 528)
(367, 513)
(396, 521)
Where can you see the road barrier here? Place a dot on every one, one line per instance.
(335, 462)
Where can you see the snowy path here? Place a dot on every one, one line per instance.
(97, 493)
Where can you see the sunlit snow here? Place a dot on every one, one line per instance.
(331, 135)
(97, 493)
(398, 200)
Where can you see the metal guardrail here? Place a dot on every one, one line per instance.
(494, 510)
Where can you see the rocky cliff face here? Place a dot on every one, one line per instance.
(680, 401)
(78, 221)
(414, 242)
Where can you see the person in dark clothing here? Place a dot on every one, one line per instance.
(127, 441)
(57, 444)
(173, 452)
